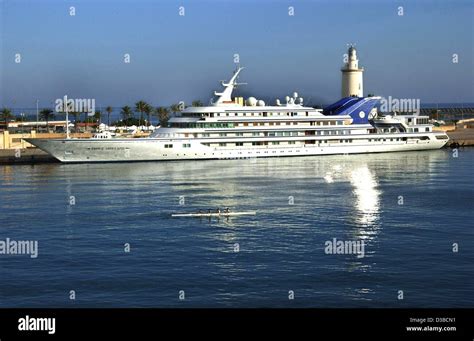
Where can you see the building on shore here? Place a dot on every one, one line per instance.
(38, 126)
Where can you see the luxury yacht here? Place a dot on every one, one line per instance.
(231, 128)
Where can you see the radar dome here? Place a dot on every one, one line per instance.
(278, 103)
(300, 100)
(252, 101)
(295, 94)
(287, 99)
(260, 103)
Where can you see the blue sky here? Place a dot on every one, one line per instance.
(182, 57)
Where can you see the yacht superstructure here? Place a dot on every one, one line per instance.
(232, 128)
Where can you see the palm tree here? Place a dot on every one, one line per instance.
(175, 107)
(109, 111)
(5, 115)
(140, 107)
(197, 103)
(148, 110)
(163, 115)
(46, 114)
(126, 112)
(98, 116)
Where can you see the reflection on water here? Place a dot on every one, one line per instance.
(365, 189)
(367, 195)
(364, 198)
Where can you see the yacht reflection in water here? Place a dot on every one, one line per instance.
(365, 199)
(367, 203)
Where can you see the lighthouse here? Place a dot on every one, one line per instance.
(352, 83)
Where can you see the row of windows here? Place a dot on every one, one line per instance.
(243, 114)
(185, 145)
(247, 124)
(276, 133)
(283, 133)
(384, 140)
(200, 125)
(223, 144)
(417, 121)
(240, 144)
(416, 130)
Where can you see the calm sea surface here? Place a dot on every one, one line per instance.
(408, 208)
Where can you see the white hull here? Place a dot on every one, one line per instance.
(149, 149)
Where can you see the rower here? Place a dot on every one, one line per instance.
(218, 211)
(227, 210)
